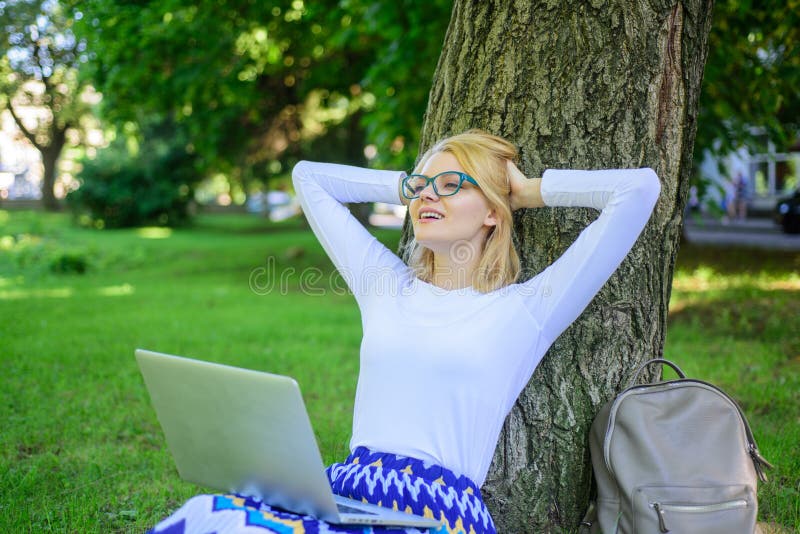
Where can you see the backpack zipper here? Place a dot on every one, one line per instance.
(662, 525)
(660, 508)
(759, 461)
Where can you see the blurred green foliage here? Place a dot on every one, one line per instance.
(254, 82)
(131, 186)
(258, 85)
(752, 77)
(35, 255)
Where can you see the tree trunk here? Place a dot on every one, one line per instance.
(50, 155)
(577, 85)
(50, 164)
(354, 152)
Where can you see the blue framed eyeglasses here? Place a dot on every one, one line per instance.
(445, 183)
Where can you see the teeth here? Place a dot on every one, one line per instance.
(430, 215)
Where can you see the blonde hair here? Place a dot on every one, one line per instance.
(483, 156)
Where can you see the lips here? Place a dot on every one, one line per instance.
(428, 214)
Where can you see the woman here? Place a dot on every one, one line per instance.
(450, 340)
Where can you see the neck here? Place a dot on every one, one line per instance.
(455, 271)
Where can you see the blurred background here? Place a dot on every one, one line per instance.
(146, 201)
(184, 105)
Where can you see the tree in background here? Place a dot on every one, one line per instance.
(752, 77)
(577, 86)
(406, 38)
(258, 86)
(38, 69)
(133, 184)
(230, 74)
(255, 84)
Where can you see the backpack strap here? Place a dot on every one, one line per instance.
(589, 523)
(655, 360)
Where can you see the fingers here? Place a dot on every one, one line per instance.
(514, 172)
(511, 167)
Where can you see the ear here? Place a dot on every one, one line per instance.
(490, 219)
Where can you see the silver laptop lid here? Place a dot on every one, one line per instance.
(233, 429)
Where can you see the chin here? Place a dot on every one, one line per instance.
(427, 243)
(435, 245)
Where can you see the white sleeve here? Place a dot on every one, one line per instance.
(363, 261)
(558, 295)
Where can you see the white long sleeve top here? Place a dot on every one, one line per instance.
(440, 370)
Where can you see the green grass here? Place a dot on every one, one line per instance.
(80, 447)
(735, 321)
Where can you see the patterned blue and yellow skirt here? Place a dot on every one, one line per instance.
(389, 480)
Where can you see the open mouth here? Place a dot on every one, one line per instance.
(430, 215)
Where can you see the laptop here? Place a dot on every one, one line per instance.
(248, 432)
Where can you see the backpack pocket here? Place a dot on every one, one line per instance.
(688, 510)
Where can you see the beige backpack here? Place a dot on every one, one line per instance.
(675, 456)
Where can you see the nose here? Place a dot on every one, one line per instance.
(429, 193)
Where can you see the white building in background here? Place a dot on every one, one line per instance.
(21, 169)
(769, 175)
(20, 163)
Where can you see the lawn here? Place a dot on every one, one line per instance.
(81, 450)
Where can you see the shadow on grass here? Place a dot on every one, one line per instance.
(736, 260)
(742, 314)
(246, 224)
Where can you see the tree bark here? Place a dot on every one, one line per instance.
(577, 85)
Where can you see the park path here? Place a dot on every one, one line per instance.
(752, 232)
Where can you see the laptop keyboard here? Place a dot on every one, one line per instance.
(344, 509)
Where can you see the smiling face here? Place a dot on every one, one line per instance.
(442, 222)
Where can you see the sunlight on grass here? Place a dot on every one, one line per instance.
(116, 291)
(154, 232)
(734, 318)
(81, 449)
(7, 281)
(54, 293)
(705, 278)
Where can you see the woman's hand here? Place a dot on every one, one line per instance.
(403, 198)
(525, 192)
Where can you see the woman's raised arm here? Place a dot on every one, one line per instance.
(525, 192)
(625, 197)
(322, 188)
